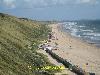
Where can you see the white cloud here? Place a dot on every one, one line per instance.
(87, 1)
(37, 3)
(9, 3)
(43, 3)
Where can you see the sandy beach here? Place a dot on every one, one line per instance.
(76, 51)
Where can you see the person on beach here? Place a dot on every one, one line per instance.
(49, 47)
(49, 36)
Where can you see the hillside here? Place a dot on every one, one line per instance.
(19, 40)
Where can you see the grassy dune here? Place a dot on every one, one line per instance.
(19, 39)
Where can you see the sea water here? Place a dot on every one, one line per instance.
(88, 30)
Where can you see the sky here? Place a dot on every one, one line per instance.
(52, 9)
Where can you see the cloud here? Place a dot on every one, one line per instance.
(37, 3)
(9, 3)
(46, 3)
(43, 3)
(87, 1)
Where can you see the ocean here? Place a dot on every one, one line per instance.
(88, 30)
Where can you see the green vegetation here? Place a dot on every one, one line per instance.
(19, 40)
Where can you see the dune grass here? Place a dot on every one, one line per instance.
(19, 40)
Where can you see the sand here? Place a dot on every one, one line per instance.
(53, 61)
(78, 52)
(86, 56)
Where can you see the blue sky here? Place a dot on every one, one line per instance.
(52, 9)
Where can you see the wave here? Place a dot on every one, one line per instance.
(91, 34)
(83, 30)
(86, 30)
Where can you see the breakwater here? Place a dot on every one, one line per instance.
(75, 69)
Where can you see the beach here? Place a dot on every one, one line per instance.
(78, 52)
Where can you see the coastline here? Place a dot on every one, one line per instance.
(60, 28)
(77, 51)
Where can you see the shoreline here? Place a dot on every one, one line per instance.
(60, 28)
(78, 52)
